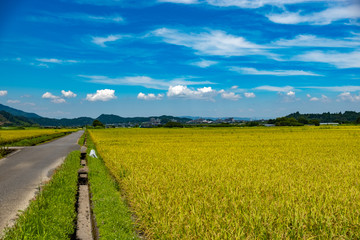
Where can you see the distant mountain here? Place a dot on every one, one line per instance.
(113, 119)
(17, 112)
(12, 116)
(64, 122)
(7, 119)
(348, 116)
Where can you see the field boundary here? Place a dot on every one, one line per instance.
(111, 212)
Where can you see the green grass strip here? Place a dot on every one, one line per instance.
(112, 214)
(52, 215)
(81, 140)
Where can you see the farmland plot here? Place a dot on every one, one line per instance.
(11, 136)
(231, 183)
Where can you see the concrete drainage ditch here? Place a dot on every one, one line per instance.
(85, 226)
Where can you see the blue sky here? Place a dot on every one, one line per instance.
(218, 58)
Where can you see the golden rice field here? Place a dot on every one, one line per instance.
(233, 183)
(8, 136)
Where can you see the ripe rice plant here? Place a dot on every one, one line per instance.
(238, 183)
(12, 136)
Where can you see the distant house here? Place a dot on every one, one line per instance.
(269, 125)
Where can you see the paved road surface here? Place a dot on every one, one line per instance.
(22, 173)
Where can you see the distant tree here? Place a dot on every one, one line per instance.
(173, 124)
(97, 123)
(271, 121)
(252, 124)
(315, 122)
(358, 120)
(284, 121)
(303, 120)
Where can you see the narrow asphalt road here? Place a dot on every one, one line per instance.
(22, 173)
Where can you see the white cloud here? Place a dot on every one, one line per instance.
(234, 87)
(68, 94)
(325, 17)
(3, 93)
(322, 99)
(347, 96)
(13, 101)
(102, 40)
(230, 95)
(340, 60)
(204, 63)
(54, 99)
(213, 42)
(150, 96)
(315, 41)
(54, 60)
(274, 89)
(288, 97)
(143, 81)
(101, 95)
(181, 91)
(290, 94)
(308, 95)
(49, 95)
(249, 95)
(253, 71)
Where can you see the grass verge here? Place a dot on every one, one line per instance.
(82, 139)
(52, 214)
(37, 140)
(5, 151)
(112, 214)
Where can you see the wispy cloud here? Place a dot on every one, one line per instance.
(103, 95)
(340, 60)
(101, 41)
(315, 41)
(13, 101)
(143, 81)
(75, 17)
(253, 71)
(150, 96)
(336, 88)
(243, 3)
(3, 93)
(204, 63)
(103, 19)
(274, 88)
(121, 3)
(325, 17)
(180, 1)
(212, 42)
(55, 60)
